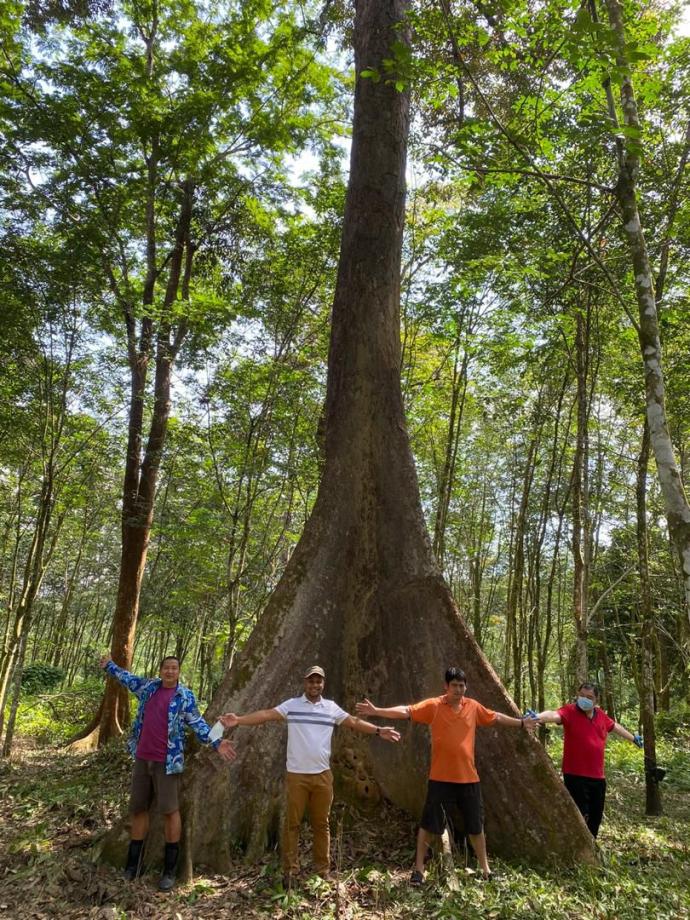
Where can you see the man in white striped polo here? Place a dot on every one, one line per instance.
(309, 781)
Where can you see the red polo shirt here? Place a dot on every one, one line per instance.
(584, 740)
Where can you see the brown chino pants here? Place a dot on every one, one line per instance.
(315, 791)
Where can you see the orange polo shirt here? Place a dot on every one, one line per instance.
(452, 736)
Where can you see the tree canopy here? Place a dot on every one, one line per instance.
(173, 226)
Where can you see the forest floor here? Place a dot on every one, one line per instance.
(54, 806)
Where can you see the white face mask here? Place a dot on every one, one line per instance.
(585, 704)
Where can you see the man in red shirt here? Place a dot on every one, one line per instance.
(453, 778)
(585, 730)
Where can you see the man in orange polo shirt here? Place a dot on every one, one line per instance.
(453, 778)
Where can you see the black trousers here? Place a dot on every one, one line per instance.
(589, 796)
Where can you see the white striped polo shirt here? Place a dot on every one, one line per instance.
(310, 729)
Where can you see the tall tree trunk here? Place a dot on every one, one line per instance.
(646, 669)
(580, 496)
(675, 499)
(16, 695)
(362, 593)
(38, 558)
(662, 672)
(514, 606)
(446, 480)
(141, 473)
(56, 646)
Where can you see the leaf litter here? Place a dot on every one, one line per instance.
(54, 806)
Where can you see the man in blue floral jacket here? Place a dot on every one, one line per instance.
(166, 709)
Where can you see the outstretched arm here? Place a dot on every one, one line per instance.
(529, 724)
(624, 733)
(549, 716)
(231, 719)
(133, 683)
(359, 725)
(202, 730)
(367, 708)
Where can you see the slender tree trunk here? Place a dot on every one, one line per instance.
(38, 558)
(609, 697)
(514, 606)
(662, 672)
(544, 643)
(57, 645)
(448, 470)
(580, 494)
(16, 695)
(476, 591)
(675, 499)
(141, 477)
(646, 669)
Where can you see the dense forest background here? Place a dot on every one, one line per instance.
(172, 189)
(172, 182)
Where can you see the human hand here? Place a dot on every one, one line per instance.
(365, 708)
(388, 733)
(637, 740)
(530, 724)
(103, 661)
(227, 751)
(229, 719)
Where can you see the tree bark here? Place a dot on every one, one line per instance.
(362, 593)
(447, 475)
(675, 499)
(646, 670)
(514, 605)
(16, 695)
(580, 499)
(38, 558)
(541, 621)
(141, 468)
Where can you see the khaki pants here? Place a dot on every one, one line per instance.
(315, 791)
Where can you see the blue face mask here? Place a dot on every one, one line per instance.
(585, 704)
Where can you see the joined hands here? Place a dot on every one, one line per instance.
(366, 708)
(388, 733)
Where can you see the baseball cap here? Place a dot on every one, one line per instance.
(314, 670)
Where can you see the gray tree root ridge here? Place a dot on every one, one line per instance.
(362, 594)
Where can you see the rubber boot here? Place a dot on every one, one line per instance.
(133, 866)
(169, 866)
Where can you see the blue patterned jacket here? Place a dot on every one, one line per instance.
(182, 712)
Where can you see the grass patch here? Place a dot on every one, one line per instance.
(54, 805)
(52, 716)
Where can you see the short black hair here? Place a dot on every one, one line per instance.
(588, 685)
(168, 658)
(455, 674)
